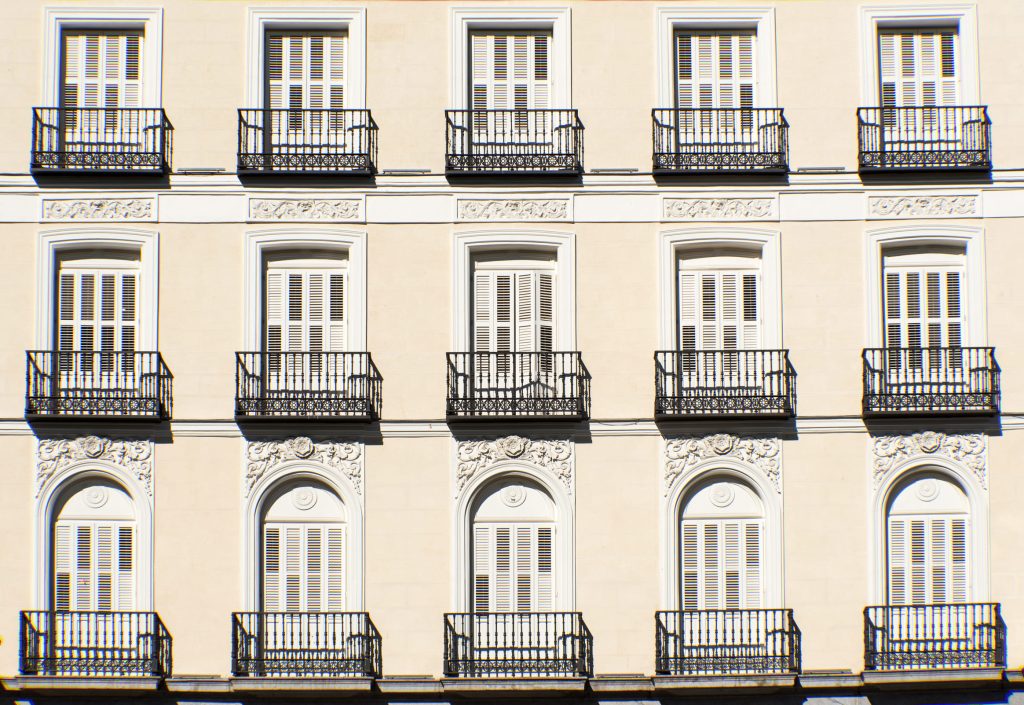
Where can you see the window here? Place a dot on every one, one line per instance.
(510, 69)
(919, 67)
(102, 69)
(718, 300)
(923, 291)
(513, 303)
(715, 68)
(305, 69)
(305, 303)
(97, 302)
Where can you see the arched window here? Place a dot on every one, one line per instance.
(304, 550)
(513, 552)
(927, 538)
(722, 530)
(94, 549)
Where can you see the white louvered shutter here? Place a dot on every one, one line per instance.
(927, 560)
(510, 70)
(923, 309)
(722, 564)
(306, 70)
(94, 566)
(513, 567)
(719, 310)
(715, 69)
(303, 567)
(97, 311)
(919, 67)
(513, 311)
(305, 310)
(102, 69)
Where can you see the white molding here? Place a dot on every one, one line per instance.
(563, 244)
(259, 242)
(964, 17)
(148, 19)
(768, 242)
(350, 19)
(761, 19)
(97, 209)
(54, 242)
(972, 239)
(557, 19)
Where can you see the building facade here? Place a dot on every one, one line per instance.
(416, 351)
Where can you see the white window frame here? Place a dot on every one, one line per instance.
(962, 17)
(54, 243)
(465, 20)
(759, 19)
(147, 19)
(351, 243)
(332, 19)
(972, 241)
(767, 243)
(561, 245)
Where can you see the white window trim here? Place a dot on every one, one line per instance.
(766, 242)
(348, 19)
(46, 506)
(148, 19)
(53, 243)
(259, 243)
(760, 19)
(565, 526)
(557, 19)
(252, 533)
(562, 245)
(977, 497)
(671, 514)
(964, 17)
(970, 238)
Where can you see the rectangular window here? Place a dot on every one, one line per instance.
(919, 67)
(510, 70)
(513, 307)
(715, 68)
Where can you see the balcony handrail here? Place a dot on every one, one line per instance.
(514, 140)
(342, 140)
(101, 139)
(924, 137)
(934, 635)
(720, 139)
(933, 379)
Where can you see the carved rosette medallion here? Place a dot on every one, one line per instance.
(99, 209)
(719, 208)
(554, 455)
(969, 450)
(344, 458)
(54, 455)
(923, 206)
(760, 453)
(508, 209)
(311, 209)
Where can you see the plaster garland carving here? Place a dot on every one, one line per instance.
(506, 209)
(923, 206)
(718, 208)
(346, 458)
(761, 453)
(135, 457)
(966, 449)
(303, 209)
(100, 209)
(475, 456)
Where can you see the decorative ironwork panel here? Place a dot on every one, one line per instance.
(307, 141)
(913, 637)
(514, 142)
(724, 383)
(720, 139)
(101, 140)
(930, 381)
(924, 137)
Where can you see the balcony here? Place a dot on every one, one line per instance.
(101, 140)
(305, 644)
(517, 385)
(309, 141)
(522, 142)
(86, 384)
(94, 644)
(727, 140)
(726, 642)
(899, 381)
(517, 645)
(916, 637)
(303, 386)
(723, 383)
(924, 138)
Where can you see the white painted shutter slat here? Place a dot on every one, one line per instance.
(94, 566)
(513, 567)
(927, 558)
(721, 564)
(715, 69)
(923, 308)
(919, 67)
(513, 311)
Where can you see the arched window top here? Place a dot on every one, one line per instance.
(720, 498)
(928, 493)
(303, 501)
(513, 499)
(96, 499)
(725, 256)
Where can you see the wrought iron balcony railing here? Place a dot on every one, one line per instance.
(305, 644)
(930, 381)
(720, 140)
(94, 644)
(307, 385)
(915, 637)
(723, 642)
(90, 384)
(723, 383)
(924, 137)
(517, 644)
(101, 140)
(514, 142)
(306, 141)
(504, 385)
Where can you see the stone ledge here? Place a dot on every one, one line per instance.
(512, 687)
(979, 677)
(198, 684)
(710, 683)
(610, 683)
(414, 685)
(290, 686)
(81, 683)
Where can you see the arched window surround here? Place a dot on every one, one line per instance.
(672, 507)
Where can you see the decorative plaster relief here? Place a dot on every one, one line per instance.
(135, 457)
(719, 208)
(262, 456)
(760, 453)
(476, 456)
(304, 209)
(966, 449)
(923, 206)
(99, 209)
(513, 210)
